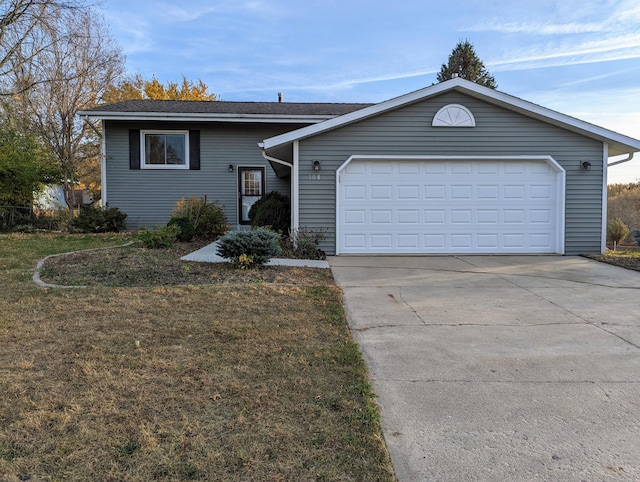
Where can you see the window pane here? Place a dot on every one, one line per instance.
(175, 149)
(252, 183)
(165, 149)
(154, 148)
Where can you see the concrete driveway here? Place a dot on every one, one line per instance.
(501, 367)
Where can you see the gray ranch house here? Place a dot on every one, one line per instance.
(453, 168)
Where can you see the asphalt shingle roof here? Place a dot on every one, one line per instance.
(226, 107)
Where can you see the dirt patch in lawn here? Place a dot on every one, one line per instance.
(137, 266)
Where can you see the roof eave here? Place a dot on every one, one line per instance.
(203, 117)
(624, 143)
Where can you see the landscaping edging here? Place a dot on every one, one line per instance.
(36, 274)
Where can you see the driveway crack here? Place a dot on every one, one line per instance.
(410, 307)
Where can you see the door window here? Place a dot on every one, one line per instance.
(251, 187)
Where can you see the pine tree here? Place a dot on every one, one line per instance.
(464, 62)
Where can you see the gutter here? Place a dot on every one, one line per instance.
(627, 159)
(207, 117)
(273, 159)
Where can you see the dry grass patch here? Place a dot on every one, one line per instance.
(218, 381)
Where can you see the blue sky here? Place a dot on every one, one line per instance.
(579, 57)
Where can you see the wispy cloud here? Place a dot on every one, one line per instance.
(590, 51)
(619, 19)
(539, 28)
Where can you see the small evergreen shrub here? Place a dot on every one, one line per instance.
(208, 218)
(158, 237)
(247, 248)
(96, 220)
(272, 211)
(302, 243)
(187, 231)
(617, 230)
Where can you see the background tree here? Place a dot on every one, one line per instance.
(464, 62)
(75, 62)
(25, 167)
(138, 88)
(623, 203)
(20, 21)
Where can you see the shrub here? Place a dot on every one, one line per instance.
(97, 220)
(187, 231)
(247, 248)
(158, 237)
(208, 218)
(272, 211)
(302, 243)
(617, 230)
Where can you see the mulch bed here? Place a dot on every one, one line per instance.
(627, 262)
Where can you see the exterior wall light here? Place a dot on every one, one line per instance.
(230, 167)
(316, 165)
(586, 165)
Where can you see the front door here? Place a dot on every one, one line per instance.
(250, 189)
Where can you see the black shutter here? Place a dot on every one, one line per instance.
(134, 149)
(194, 150)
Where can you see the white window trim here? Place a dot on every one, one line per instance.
(143, 146)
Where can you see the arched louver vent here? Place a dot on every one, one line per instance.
(454, 115)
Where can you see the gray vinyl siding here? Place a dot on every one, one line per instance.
(500, 132)
(149, 196)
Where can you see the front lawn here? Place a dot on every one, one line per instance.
(164, 370)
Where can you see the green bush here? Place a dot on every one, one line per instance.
(96, 220)
(302, 243)
(617, 230)
(158, 237)
(272, 211)
(208, 219)
(187, 231)
(246, 248)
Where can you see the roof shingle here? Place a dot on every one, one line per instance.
(227, 107)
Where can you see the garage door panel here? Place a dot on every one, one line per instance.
(435, 192)
(452, 209)
(381, 216)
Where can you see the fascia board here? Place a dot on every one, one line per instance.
(553, 117)
(155, 116)
(624, 143)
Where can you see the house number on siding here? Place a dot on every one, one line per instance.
(314, 177)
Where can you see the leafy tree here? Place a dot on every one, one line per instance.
(138, 88)
(25, 166)
(464, 62)
(617, 230)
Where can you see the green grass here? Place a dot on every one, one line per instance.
(253, 378)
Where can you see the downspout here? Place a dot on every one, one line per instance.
(291, 188)
(273, 159)
(628, 158)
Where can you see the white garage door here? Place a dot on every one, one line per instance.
(450, 206)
